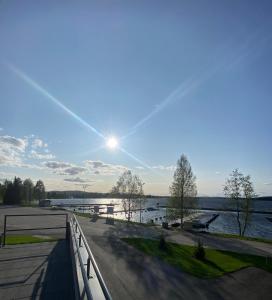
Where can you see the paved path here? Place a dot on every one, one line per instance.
(35, 221)
(36, 271)
(211, 241)
(129, 274)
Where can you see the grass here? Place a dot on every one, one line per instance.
(216, 263)
(27, 239)
(246, 238)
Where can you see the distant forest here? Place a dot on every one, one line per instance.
(81, 194)
(21, 192)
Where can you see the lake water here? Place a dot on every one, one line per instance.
(260, 225)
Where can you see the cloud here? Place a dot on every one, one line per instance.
(218, 173)
(34, 154)
(56, 165)
(64, 168)
(139, 167)
(12, 150)
(77, 179)
(268, 183)
(73, 170)
(165, 168)
(37, 143)
(99, 167)
(1, 129)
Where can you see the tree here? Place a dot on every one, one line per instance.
(130, 188)
(8, 196)
(183, 191)
(28, 190)
(13, 191)
(240, 192)
(39, 191)
(2, 192)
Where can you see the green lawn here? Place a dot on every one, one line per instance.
(217, 262)
(246, 238)
(27, 239)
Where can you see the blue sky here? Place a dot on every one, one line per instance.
(164, 77)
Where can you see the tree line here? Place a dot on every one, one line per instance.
(21, 192)
(238, 189)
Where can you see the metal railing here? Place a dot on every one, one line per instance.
(87, 262)
(33, 228)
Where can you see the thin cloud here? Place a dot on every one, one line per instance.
(35, 155)
(77, 180)
(101, 168)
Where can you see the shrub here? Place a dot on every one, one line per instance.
(199, 252)
(162, 243)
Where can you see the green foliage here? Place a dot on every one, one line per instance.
(239, 189)
(39, 191)
(199, 252)
(21, 193)
(217, 262)
(162, 243)
(130, 187)
(183, 191)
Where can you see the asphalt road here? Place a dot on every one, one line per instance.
(129, 274)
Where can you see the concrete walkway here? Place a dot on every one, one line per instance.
(36, 271)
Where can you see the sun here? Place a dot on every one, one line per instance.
(112, 143)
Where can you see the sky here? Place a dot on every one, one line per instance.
(162, 77)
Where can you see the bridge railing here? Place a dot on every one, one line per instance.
(90, 283)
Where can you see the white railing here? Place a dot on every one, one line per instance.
(90, 283)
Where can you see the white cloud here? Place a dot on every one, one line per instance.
(101, 168)
(34, 154)
(218, 173)
(12, 150)
(165, 168)
(268, 183)
(1, 129)
(38, 143)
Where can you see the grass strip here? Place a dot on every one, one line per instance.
(27, 239)
(216, 263)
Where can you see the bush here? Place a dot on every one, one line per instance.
(199, 252)
(162, 243)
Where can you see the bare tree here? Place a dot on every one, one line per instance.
(239, 189)
(183, 191)
(130, 188)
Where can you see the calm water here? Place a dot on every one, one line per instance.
(260, 226)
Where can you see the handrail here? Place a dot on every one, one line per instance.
(86, 275)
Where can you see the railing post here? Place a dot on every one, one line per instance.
(67, 231)
(5, 228)
(88, 266)
(79, 243)
(76, 227)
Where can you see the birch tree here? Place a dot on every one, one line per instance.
(130, 188)
(240, 192)
(183, 191)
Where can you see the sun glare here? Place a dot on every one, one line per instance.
(112, 143)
